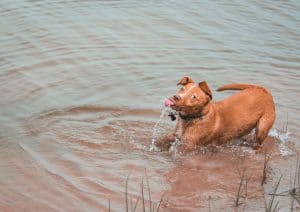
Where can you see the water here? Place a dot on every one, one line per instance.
(159, 128)
(81, 89)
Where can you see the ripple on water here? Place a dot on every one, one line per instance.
(90, 149)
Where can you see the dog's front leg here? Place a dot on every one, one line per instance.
(165, 142)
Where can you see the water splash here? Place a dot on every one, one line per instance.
(159, 127)
(282, 138)
(173, 149)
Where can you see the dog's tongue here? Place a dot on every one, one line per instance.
(168, 103)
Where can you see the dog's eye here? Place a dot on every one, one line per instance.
(194, 97)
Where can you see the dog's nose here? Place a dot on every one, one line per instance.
(176, 97)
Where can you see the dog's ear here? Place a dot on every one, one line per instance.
(185, 80)
(204, 87)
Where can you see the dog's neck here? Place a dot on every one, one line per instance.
(196, 116)
(191, 117)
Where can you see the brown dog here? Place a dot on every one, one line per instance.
(202, 121)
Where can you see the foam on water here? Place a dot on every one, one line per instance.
(282, 138)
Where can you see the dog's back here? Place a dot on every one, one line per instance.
(252, 107)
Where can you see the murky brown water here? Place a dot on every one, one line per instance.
(82, 85)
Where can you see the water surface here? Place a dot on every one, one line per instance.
(82, 85)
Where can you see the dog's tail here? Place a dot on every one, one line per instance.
(236, 87)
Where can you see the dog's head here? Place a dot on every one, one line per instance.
(191, 98)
